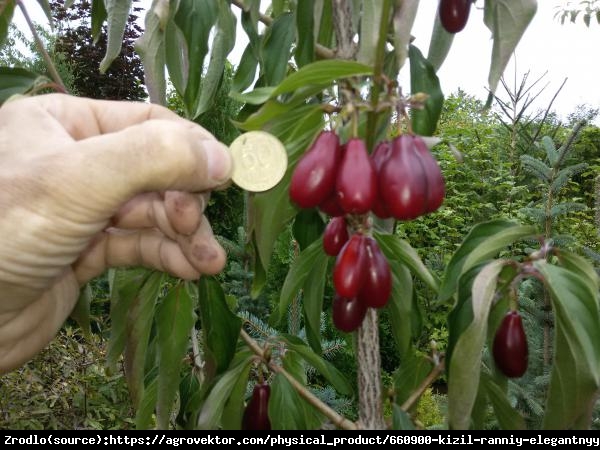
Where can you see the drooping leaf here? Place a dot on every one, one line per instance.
(246, 70)
(464, 365)
(483, 241)
(370, 24)
(276, 47)
(98, 17)
(575, 376)
(400, 419)
(400, 306)
(176, 57)
(117, 12)
(312, 305)
(410, 375)
(575, 263)
(81, 312)
(508, 417)
(151, 47)
(440, 44)
(7, 10)
(507, 20)
(220, 326)
(189, 386)
(146, 407)
(14, 80)
(305, 24)
(405, 13)
(423, 79)
(234, 407)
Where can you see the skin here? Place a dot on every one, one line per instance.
(86, 185)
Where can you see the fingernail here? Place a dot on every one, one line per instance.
(218, 161)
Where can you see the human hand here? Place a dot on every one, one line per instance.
(90, 184)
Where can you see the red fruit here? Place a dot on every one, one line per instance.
(380, 155)
(454, 14)
(356, 184)
(331, 206)
(256, 415)
(313, 180)
(510, 346)
(335, 236)
(348, 313)
(377, 288)
(349, 272)
(410, 181)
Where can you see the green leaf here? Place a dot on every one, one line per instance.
(220, 326)
(221, 45)
(257, 96)
(400, 419)
(305, 24)
(411, 373)
(246, 71)
(81, 312)
(117, 12)
(579, 265)
(483, 241)
(151, 47)
(308, 227)
(175, 318)
(195, 19)
(176, 57)
(276, 46)
(370, 24)
(145, 410)
(98, 17)
(575, 376)
(234, 407)
(125, 288)
(7, 10)
(423, 79)
(14, 80)
(215, 402)
(312, 305)
(405, 13)
(189, 387)
(139, 324)
(440, 44)
(322, 73)
(508, 417)
(324, 16)
(465, 364)
(507, 20)
(400, 306)
(299, 271)
(287, 410)
(337, 379)
(395, 249)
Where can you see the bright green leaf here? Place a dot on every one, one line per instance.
(305, 24)
(508, 417)
(400, 306)
(256, 97)
(440, 44)
(117, 12)
(312, 304)
(423, 79)
(276, 46)
(234, 407)
(98, 17)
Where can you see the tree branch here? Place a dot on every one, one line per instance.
(337, 419)
(414, 396)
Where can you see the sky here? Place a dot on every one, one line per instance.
(563, 51)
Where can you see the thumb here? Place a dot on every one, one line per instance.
(155, 155)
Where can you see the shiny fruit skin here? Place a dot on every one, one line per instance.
(510, 346)
(331, 206)
(335, 236)
(379, 156)
(256, 415)
(454, 14)
(348, 313)
(349, 272)
(377, 287)
(402, 181)
(356, 184)
(313, 180)
(436, 189)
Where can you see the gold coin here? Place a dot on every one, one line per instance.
(259, 161)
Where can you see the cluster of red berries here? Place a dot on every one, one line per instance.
(400, 179)
(510, 346)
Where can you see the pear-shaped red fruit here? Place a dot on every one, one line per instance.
(349, 271)
(510, 346)
(348, 313)
(335, 236)
(436, 188)
(377, 287)
(356, 184)
(331, 206)
(454, 14)
(313, 180)
(379, 156)
(256, 415)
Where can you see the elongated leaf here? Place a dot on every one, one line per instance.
(256, 97)
(312, 305)
(176, 57)
(579, 265)
(465, 364)
(98, 17)
(507, 20)
(575, 377)
(305, 25)
(214, 404)
(337, 379)
(276, 46)
(400, 306)
(400, 419)
(117, 12)
(405, 13)
(14, 80)
(234, 407)
(81, 312)
(246, 70)
(151, 47)
(139, 324)
(508, 417)
(440, 44)
(146, 407)
(45, 5)
(6, 14)
(322, 73)
(483, 241)
(174, 320)
(296, 277)
(410, 375)
(125, 288)
(395, 248)
(308, 227)
(221, 46)
(370, 24)
(189, 387)
(423, 79)
(220, 326)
